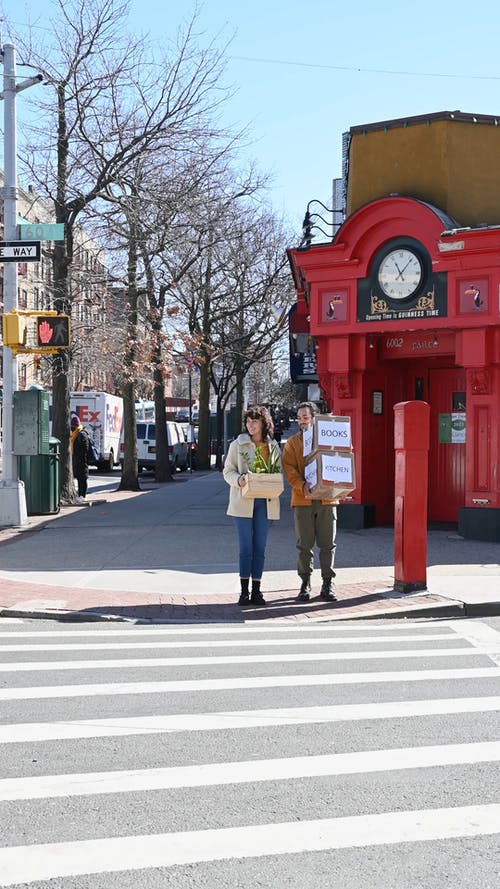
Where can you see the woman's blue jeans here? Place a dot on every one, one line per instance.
(252, 538)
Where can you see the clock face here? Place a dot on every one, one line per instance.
(400, 273)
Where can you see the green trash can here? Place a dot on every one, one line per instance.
(41, 477)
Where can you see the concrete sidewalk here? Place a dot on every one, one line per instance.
(169, 553)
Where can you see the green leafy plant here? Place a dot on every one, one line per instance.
(260, 464)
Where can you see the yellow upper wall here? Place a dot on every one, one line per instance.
(449, 159)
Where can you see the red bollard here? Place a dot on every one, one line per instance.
(411, 443)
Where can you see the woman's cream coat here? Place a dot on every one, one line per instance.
(235, 465)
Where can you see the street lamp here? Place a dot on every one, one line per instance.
(309, 225)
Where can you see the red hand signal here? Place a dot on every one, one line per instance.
(45, 332)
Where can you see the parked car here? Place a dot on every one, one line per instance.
(146, 446)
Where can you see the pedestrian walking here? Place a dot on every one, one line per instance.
(315, 521)
(80, 451)
(254, 450)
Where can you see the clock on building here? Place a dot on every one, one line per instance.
(401, 270)
(400, 273)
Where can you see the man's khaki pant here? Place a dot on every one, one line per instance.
(315, 524)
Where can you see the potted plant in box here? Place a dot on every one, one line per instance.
(264, 477)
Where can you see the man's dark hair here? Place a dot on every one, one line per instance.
(308, 405)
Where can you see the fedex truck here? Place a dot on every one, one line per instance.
(101, 415)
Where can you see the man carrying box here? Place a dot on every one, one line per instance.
(315, 521)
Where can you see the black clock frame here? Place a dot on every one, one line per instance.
(397, 244)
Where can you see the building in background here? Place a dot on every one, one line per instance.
(404, 304)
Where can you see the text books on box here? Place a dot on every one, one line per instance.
(325, 433)
(262, 485)
(329, 457)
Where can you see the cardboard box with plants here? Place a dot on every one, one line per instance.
(264, 478)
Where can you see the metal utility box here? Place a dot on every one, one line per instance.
(41, 476)
(31, 422)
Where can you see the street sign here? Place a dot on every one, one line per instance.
(42, 231)
(19, 251)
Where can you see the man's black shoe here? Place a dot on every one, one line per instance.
(327, 591)
(244, 599)
(305, 591)
(257, 599)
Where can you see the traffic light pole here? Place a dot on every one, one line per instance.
(12, 499)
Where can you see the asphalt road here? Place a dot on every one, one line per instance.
(361, 754)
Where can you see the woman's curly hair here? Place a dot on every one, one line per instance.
(256, 412)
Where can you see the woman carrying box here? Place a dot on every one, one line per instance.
(254, 451)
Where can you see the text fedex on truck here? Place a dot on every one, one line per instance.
(101, 415)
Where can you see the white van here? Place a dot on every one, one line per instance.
(101, 416)
(146, 446)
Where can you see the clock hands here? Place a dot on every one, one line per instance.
(402, 271)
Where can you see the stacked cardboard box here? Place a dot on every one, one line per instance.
(329, 457)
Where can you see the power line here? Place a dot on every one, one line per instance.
(324, 67)
(387, 72)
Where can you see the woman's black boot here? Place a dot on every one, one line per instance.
(257, 598)
(244, 594)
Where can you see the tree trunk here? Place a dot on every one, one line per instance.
(240, 383)
(203, 445)
(220, 435)
(63, 256)
(163, 472)
(129, 480)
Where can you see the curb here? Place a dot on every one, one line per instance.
(455, 610)
(458, 609)
(64, 615)
(482, 609)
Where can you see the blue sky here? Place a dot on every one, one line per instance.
(305, 73)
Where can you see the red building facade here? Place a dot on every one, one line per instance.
(404, 305)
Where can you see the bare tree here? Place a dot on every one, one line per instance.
(235, 298)
(172, 215)
(150, 214)
(109, 105)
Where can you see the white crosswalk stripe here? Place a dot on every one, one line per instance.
(183, 685)
(239, 719)
(166, 850)
(134, 663)
(202, 771)
(217, 643)
(242, 772)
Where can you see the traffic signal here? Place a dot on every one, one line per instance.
(13, 329)
(52, 331)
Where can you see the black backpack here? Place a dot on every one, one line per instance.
(92, 455)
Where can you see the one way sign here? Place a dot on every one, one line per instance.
(19, 251)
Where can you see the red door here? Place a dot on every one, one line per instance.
(446, 457)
